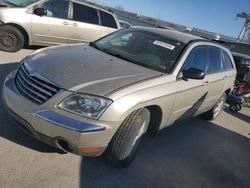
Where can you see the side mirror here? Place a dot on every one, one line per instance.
(40, 11)
(194, 73)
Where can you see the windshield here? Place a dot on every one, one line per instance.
(20, 3)
(142, 48)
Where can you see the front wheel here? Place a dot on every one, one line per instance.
(11, 39)
(125, 142)
(216, 110)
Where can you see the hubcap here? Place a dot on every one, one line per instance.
(234, 108)
(8, 40)
(218, 106)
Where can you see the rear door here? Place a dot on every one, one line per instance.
(53, 28)
(228, 67)
(215, 75)
(85, 26)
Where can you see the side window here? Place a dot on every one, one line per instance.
(197, 58)
(107, 20)
(227, 63)
(56, 8)
(214, 60)
(84, 13)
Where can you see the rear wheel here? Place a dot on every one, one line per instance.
(216, 110)
(11, 39)
(125, 142)
(235, 107)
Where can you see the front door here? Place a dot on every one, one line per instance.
(53, 28)
(191, 96)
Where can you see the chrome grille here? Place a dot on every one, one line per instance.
(33, 86)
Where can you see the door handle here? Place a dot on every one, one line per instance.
(75, 24)
(65, 23)
(205, 83)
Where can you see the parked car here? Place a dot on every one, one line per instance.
(104, 96)
(52, 22)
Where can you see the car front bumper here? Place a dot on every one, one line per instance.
(58, 128)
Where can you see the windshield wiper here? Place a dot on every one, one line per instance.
(107, 50)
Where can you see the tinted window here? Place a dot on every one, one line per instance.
(86, 14)
(56, 8)
(214, 60)
(107, 20)
(227, 64)
(196, 59)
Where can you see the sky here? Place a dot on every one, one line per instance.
(218, 16)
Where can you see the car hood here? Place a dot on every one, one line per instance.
(84, 69)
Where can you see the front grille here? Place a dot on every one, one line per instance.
(33, 87)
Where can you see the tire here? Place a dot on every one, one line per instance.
(239, 107)
(124, 144)
(11, 39)
(233, 108)
(216, 110)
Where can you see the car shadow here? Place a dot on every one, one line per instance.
(238, 115)
(194, 153)
(33, 47)
(8, 130)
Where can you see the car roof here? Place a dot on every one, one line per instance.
(173, 34)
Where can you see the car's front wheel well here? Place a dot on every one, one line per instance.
(23, 31)
(155, 119)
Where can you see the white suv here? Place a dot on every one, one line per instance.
(52, 22)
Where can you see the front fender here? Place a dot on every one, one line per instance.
(121, 108)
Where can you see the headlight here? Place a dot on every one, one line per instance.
(86, 105)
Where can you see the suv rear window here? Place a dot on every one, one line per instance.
(84, 13)
(214, 60)
(107, 20)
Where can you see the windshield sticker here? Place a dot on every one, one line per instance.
(164, 45)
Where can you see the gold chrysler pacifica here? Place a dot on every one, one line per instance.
(105, 95)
